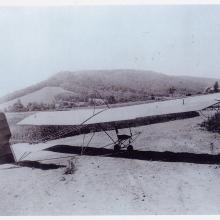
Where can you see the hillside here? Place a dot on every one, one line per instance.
(124, 85)
(45, 95)
(129, 82)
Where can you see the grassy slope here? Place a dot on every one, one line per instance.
(45, 95)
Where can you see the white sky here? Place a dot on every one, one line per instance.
(35, 42)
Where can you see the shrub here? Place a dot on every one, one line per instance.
(212, 123)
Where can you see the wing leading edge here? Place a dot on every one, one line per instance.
(118, 114)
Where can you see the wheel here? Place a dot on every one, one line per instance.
(117, 148)
(130, 149)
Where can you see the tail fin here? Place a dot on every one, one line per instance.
(6, 154)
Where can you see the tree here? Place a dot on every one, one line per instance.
(18, 106)
(111, 99)
(216, 86)
(172, 90)
(152, 97)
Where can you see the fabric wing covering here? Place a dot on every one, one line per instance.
(89, 116)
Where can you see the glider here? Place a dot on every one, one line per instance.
(57, 124)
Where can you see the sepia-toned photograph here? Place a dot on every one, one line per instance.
(110, 110)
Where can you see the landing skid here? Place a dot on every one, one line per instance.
(126, 144)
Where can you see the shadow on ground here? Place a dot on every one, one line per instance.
(38, 165)
(166, 156)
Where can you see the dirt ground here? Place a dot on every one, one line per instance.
(108, 186)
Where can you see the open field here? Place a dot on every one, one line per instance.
(102, 185)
